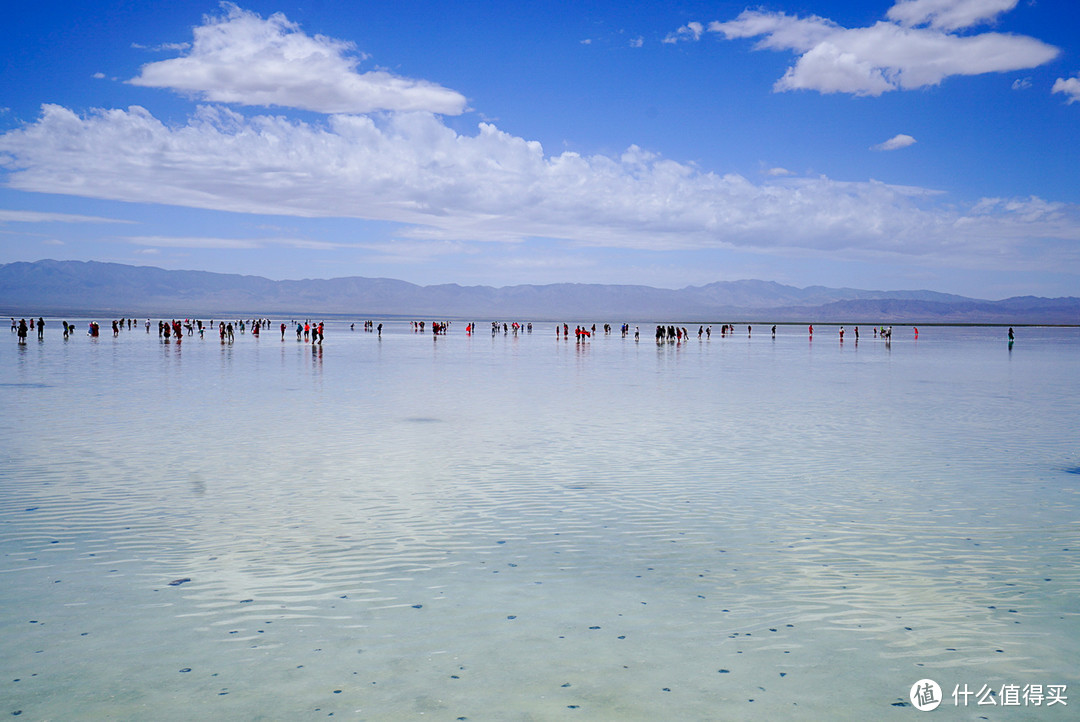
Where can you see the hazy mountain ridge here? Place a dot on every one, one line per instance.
(48, 287)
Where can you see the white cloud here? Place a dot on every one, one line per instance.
(691, 31)
(411, 168)
(778, 172)
(242, 58)
(888, 55)
(191, 242)
(896, 142)
(637, 42)
(781, 31)
(161, 47)
(1021, 84)
(415, 251)
(1068, 86)
(828, 68)
(947, 14)
(229, 243)
(7, 216)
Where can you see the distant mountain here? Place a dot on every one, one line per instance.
(112, 289)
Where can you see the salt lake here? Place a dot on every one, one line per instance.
(522, 527)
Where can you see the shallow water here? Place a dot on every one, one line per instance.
(520, 527)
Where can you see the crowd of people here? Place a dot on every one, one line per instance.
(174, 330)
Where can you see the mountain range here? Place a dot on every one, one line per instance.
(115, 290)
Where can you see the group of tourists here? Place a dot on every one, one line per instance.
(671, 334)
(584, 333)
(369, 327)
(175, 329)
(309, 331)
(21, 329)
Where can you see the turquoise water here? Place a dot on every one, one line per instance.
(522, 527)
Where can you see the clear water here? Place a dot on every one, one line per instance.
(499, 528)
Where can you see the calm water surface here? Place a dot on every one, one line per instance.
(520, 527)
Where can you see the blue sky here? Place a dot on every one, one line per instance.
(887, 145)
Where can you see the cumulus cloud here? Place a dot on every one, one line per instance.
(1068, 86)
(411, 168)
(690, 31)
(947, 14)
(896, 142)
(244, 59)
(916, 48)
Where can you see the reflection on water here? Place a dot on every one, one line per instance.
(525, 527)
